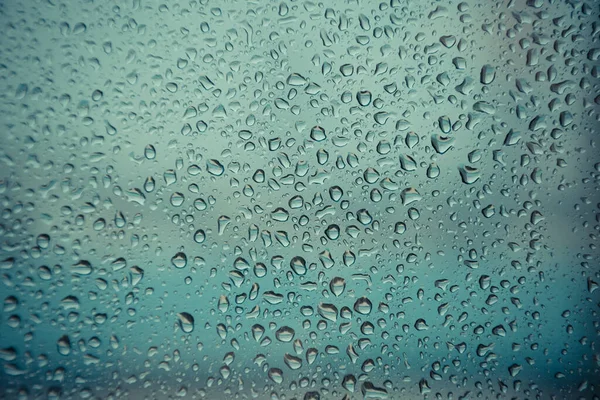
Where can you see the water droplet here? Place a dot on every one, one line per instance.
(179, 260)
(186, 322)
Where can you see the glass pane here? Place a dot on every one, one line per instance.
(299, 199)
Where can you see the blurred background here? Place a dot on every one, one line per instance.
(299, 200)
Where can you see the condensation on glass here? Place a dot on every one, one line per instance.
(299, 199)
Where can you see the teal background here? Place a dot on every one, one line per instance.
(186, 78)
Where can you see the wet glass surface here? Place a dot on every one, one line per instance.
(299, 199)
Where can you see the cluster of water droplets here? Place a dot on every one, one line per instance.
(300, 200)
